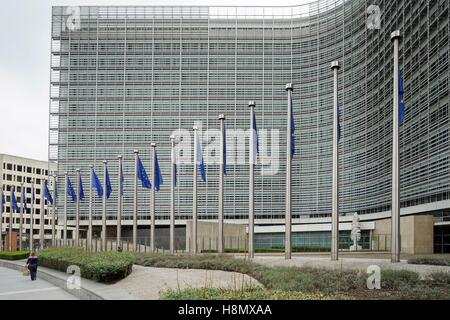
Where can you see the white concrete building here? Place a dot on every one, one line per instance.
(15, 171)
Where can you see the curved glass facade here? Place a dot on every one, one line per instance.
(129, 76)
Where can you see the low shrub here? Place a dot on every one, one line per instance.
(441, 277)
(398, 279)
(101, 266)
(226, 294)
(293, 282)
(436, 260)
(14, 255)
(301, 279)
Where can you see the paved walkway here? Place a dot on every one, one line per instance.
(347, 263)
(148, 282)
(15, 286)
(143, 283)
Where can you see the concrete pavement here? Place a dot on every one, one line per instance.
(15, 286)
(148, 282)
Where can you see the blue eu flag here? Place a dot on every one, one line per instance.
(142, 175)
(108, 185)
(174, 161)
(225, 152)
(24, 199)
(47, 194)
(122, 180)
(81, 195)
(15, 207)
(70, 191)
(158, 176)
(339, 124)
(199, 159)
(97, 184)
(401, 97)
(255, 129)
(292, 130)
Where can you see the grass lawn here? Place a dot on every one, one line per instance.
(299, 282)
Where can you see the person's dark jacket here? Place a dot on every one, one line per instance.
(32, 262)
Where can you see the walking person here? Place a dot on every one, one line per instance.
(32, 264)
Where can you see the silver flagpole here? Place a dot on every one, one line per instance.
(288, 218)
(335, 185)
(65, 211)
(33, 200)
(135, 200)
(77, 213)
(104, 207)
(91, 197)
(42, 217)
(22, 207)
(220, 217)
(10, 222)
(194, 195)
(251, 195)
(119, 204)
(152, 203)
(172, 196)
(395, 223)
(54, 212)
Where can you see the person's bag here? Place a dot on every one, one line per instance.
(25, 271)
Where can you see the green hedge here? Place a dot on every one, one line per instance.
(437, 260)
(101, 266)
(14, 255)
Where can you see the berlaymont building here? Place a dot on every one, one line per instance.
(124, 77)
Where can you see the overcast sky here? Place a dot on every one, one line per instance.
(25, 60)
